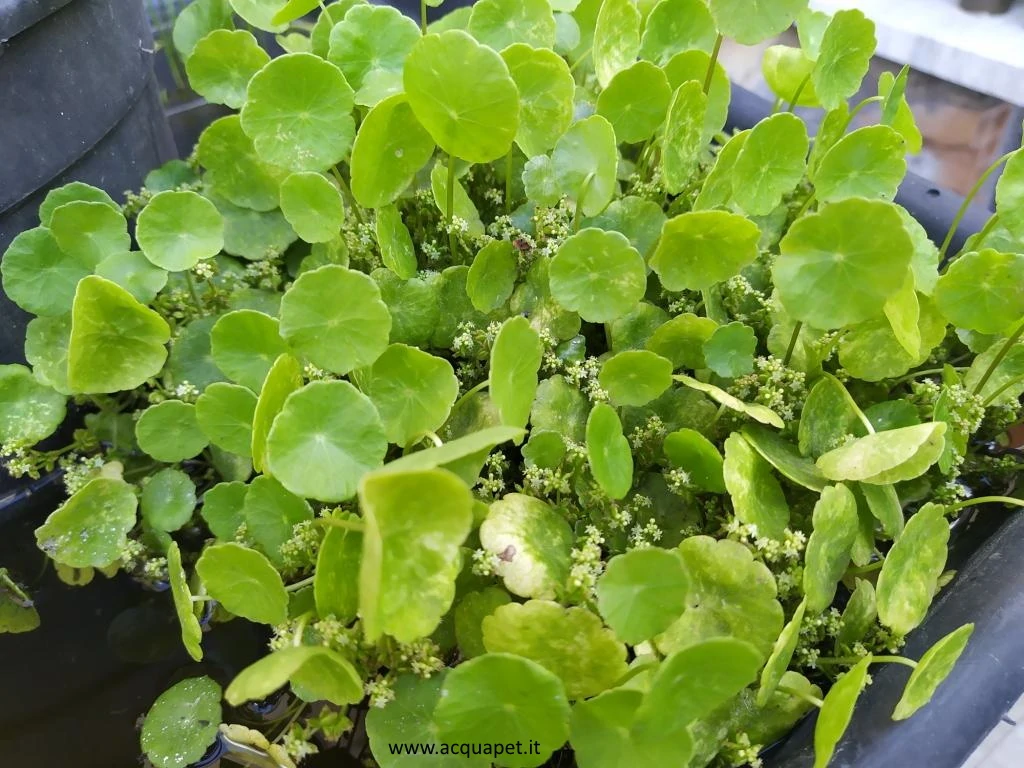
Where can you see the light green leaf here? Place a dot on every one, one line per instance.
(636, 102)
(516, 356)
(827, 252)
(784, 457)
(757, 412)
(532, 543)
(415, 523)
(395, 243)
(600, 735)
(598, 274)
(681, 340)
(869, 162)
(642, 592)
(390, 148)
(270, 513)
(983, 291)
(198, 19)
(46, 350)
(616, 38)
(182, 723)
(886, 457)
(694, 65)
(560, 407)
(717, 189)
(638, 219)
(858, 616)
(570, 642)
(469, 616)
(482, 440)
(750, 23)
(225, 414)
(828, 548)
(934, 666)
(701, 248)
(463, 207)
(757, 497)
(244, 582)
(1009, 370)
(191, 631)
(245, 344)
(177, 230)
(910, 574)
(223, 509)
(682, 141)
(501, 23)
(90, 529)
(462, 93)
(233, 169)
(730, 350)
(843, 58)
(89, 232)
(38, 276)
(221, 65)
(312, 205)
(259, 13)
(608, 452)
(283, 378)
(69, 193)
(170, 432)
(690, 451)
(546, 92)
(837, 710)
(294, 9)
(585, 162)
(502, 698)
(895, 109)
(336, 579)
(324, 673)
(903, 311)
(492, 275)
(635, 377)
(168, 500)
(1010, 194)
(133, 272)
(828, 416)
(29, 411)
(787, 72)
(371, 40)
(320, 38)
(782, 655)
(307, 128)
(770, 164)
(674, 26)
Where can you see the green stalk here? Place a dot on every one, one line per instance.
(881, 659)
(802, 695)
(192, 288)
(450, 213)
(713, 307)
(348, 193)
(423, 16)
(348, 525)
(508, 183)
(967, 202)
(792, 342)
(992, 398)
(799, 90)
(984, 500)
(856, 110)
(1000, 356)
(711, 64)
(299, 585)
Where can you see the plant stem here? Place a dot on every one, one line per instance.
(423, 16)
(792, 342)
(776, 105)
(805, 206)
(299, 585)
(967, 202)
(201, 599)
(881, 659)
(469, 393)
(869, 568)
(713, 305)
(992, 398)
(856, 110)
(323, 7)
(581, 59)
(348, 193)
(797, 92)
(584, 188)
(348, 525)
(437, 441)
(450, 204)
(801, 695)
(295, 716)
(300, 628)
(508, 182)
(984, 500)
(192, 288)
(711, 64)
(987, 229)
(1000, 356)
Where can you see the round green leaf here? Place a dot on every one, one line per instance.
(221, 65)
(244, 345)
(636, 102)
(307, 128)
(469, 615)
(828, 548)
(694, 65)
(284, 377)
(560, 407)
(182, 723)
(701, 248)
(259, 13)
(934, 666)
(601, 738)
(390, 148)
(757, 497)
(327, 436)
(89, 232)
(730, 350)
(46, 349)
(191, 631)
(782, 655)
(570, 642)
(770, 164)
(222, 509)
(516, 356)
(190, 359)
(886, 457)
(608, 452)
(312, 205)
(674, 26)
(116, 343)
(532, 542)
(492, 275)
(244, 582)
(750, 23)
(828, 416)
(91, 528)
(837, 710)
(682, 141)
(38, 276)
(177, 230)
(598, 274)
(168, 500)
(501, 698)
(413, 392)
(825, 253)
(135, 273)
(681, 340)
(731, 595)
(638, 219)
(501, 23)
(169, 431)
(616, 38)
(1009, 194)
(463, 95)
(635, 377)
(69, 193)
(910, 574)
(233, 169)
(787, 72)
(336, 580)
(29, 410)
(690, 451)
(546, 93)
(320, 38)
(869, 162)
(843, 58)
(371, 39)
(983, 291)
(642, 592)
(323, 673)
(717, 189)
(585, 162)
(338, 336)
(395, 243)
(271, 512)
(225, 414)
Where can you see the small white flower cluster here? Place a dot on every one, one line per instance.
(485, 563)
(679, 482)
(543, 482)
(381, 692)
(422, 657)
(492, 483)
(313, 373)
(646, 536)
(771, 550)
(742, 752)
(651, 431)
(205, 269)
(16, 462)
(296, 745)
(186, 391)
(583, 375)
(587, 564)
(494, 196)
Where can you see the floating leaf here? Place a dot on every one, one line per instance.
(324, 673)
(326, 437)
(501, 698)
(843, 58)
(244, 582)
(910, 574)
(532, 543)
(757, 497)
(170, 432)
(731, 595)
(168, 500)
(933, 668)
(674, 26)
(225, 415)
(308, 128)
(182, 723)
(570, 642)
(608, 452)
(598, 274)
(750, 23)
(837, 710)
(413, 392)
(501, 23)
(338, 336)
(221, 65)
(29, 411)
(390, 148)
(730, 350)
(233, 169)
(463, 95)
(869, 162)
(635, 377)
(700, 249)
(616, 38)
(755, 411)
(546, 92)
(284, 377)
(828, 548)
(271, 513)
(642, 592)
(886, 457)
(492, 276)
(782, 655)
(91, 528)
(983, 291)
(770, 164)
(584, 163)
(177, 230)
(829, 251)
(636, 102)
(191, 631)
(682, 142)
(313, 206)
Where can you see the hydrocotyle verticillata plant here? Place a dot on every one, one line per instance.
(518, 399)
